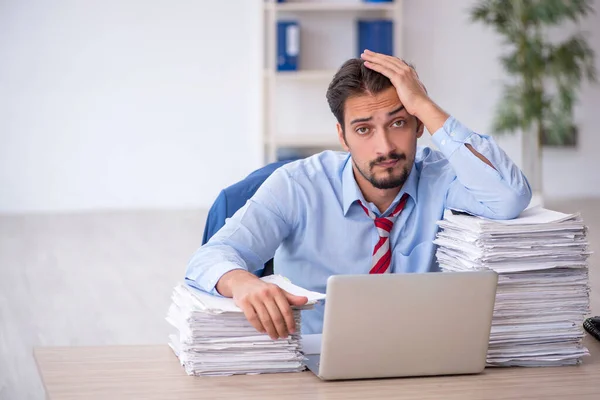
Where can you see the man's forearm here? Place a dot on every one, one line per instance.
(433, 117)
(249, 238)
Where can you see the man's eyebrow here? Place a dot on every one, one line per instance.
(357, 120)
(397, 110)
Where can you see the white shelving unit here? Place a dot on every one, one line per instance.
(306, 75)
(296, 114)
(328, 5)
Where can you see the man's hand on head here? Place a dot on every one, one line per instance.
(404, 78)
(411, 91)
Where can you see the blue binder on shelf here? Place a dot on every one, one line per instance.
(288, 45)
(376, 35)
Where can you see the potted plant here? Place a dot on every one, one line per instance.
(545, 75)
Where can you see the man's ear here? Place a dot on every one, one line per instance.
(420, 128)
(341, 138)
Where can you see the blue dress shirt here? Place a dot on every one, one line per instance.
(307, 214)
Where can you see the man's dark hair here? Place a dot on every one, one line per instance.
(353, 78)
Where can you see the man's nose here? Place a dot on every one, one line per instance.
(384, 144)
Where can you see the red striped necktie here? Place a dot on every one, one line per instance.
(382, 253)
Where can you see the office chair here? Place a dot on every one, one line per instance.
(232, 199)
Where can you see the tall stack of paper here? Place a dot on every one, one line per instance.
(214, 338)
(543, 291)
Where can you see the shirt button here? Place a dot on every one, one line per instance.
(443, 142)
(451, 133)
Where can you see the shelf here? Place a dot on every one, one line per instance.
(302, 75)
(293, 99)
(330, 6)
(328, 140)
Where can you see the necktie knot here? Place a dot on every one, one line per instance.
(382, 254)
(390, 218)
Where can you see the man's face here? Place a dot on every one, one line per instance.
(381, 137)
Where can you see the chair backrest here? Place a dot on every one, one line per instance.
(233, 198)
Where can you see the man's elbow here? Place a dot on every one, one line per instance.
(512, 204)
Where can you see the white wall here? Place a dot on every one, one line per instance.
(574, 173)
(126, 104)
(458, 61)
(156, 104)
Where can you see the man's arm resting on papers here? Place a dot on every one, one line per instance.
(224, 265)
(487, 182)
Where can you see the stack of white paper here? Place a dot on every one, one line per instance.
(543, 291)
(214, 338)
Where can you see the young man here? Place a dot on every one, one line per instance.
(371, 210)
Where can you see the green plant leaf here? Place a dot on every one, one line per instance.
(496, 13)
(548, 75)
(572, 60)
(558, 125)
(509, 114)
(555, 12)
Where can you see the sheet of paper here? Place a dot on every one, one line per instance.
(289, 287)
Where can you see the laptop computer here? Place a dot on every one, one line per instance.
(399, 325)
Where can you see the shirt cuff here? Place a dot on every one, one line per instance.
(209, 279)
(451, 136)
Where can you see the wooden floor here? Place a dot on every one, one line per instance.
(106, 278)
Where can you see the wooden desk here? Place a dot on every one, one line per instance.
(153, 372)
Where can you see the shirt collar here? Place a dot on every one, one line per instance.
(351, 192)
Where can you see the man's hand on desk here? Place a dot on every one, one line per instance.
(266, 306)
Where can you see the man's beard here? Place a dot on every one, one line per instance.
(389, 182)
